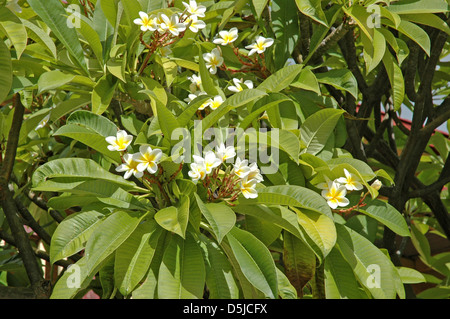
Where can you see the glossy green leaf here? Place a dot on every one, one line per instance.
(259, 6)
(312, 9)
(418, 6)
(114, 230)
(254, 260)
(182, 272)
(372, 268)
(103, 93)
(341, 79)
(219, 272)
(72, 234)
(219, 216)
(133, 257)
(175, 219)
(76, 167)
(299, 262)
(340, 281)
(387, 215)
(281, 79)
(6, 76)
(14, 29)
(395, 78)
(317, 128)
(53, 14)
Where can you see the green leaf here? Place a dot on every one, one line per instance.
(220, 217)
(387, 215)
(90, 129)
(299, 262)
(259, 6)
(341, 79)
(372, 268)
(429, 19)
(53, 14)
(340, 281)
(312, 9)
(6, 76)
(255, 261)
(319, 229)
(38, 35)
(417, 34)
(72, 234)
(87, 31)
(284, 16)
(395, 78)
(418, 6)
(249, 118)
(290, 195)
(76, 167)
(103, 93)
(373, 53)
(182, 271)
(307, 81)
(234, 101)
(317, 128)
(281, 79)
(14, 29)
(134, 256)
(219, 272)
(114, 230)
(410, 275)
(52, 80)
(175, 219)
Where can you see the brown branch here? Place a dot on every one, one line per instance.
(330, 41)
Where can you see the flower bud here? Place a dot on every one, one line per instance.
(376, 184)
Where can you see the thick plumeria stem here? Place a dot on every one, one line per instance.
(349, 210)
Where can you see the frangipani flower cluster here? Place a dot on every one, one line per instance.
(224, 181)
(176, 23)
(146, 160)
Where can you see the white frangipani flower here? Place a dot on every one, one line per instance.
(335, 195)
(260, 45)
(195, 24)
(227, 37)
(237, 87)
(147, 23)
(192, 96)
(213, 60)
(148, 159)
(255, 173)
(119, 142)
(248, 188)
(197, 172)
(215, 102)
(224, 153)
(196, 81)
(211, 161)
(241, 168)
(43, 122)
(173, 24)
(350, 181)
(130, 167)
(194, 9)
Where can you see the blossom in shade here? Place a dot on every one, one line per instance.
(43, 122)
(226, 37)
(211, 161)
(350, 181)
(119, 142)
(255, 173)
(148, 158)
(130, 167)
(213, 60)
(376, 184)
(260, 45)
(196, 81)
(237, 87)
(335, 195)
